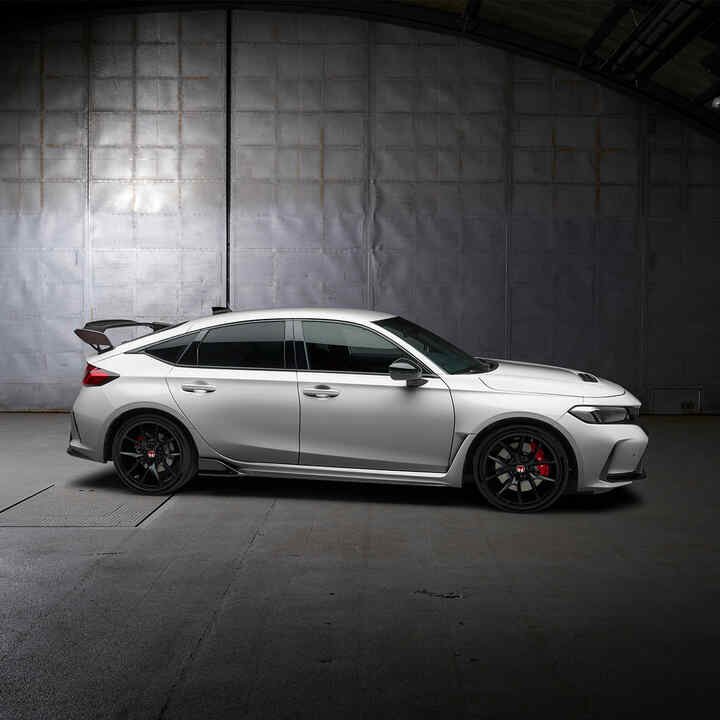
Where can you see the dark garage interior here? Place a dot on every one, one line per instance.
(536, 181)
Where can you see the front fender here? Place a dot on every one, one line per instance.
(478, 412)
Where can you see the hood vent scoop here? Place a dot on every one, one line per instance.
(587, 377)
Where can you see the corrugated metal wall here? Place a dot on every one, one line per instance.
(157, 165)
(44, 272)
(300, 161)
(521, 211)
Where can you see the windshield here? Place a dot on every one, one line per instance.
(451, 359)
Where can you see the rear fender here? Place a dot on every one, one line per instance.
(172, 411)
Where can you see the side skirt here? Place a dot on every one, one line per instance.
(452, 478)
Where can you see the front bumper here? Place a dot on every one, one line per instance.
(609, 456)
(626, 477)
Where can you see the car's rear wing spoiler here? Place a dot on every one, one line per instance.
(93, 332)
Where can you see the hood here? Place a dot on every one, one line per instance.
(529, 378)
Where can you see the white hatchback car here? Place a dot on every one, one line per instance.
(347, 395)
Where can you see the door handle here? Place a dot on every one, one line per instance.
(321, 391)
(199, 388)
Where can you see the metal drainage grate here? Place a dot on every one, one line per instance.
(68, 506)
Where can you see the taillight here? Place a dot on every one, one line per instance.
(97, 376)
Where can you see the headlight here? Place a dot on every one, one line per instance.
(603, 415)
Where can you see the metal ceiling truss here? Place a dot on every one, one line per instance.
(651, 32)
(604, 30)
(703, 19)
(646, 44)
(470, 17)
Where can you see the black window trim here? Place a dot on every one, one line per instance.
(290, 353)
(427, 373)
(293, 326)
(200, 337)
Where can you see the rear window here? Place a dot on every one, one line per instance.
(172, 350)
(245, 345)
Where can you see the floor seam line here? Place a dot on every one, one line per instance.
(211, 622)
(154, 510)
(25, 499)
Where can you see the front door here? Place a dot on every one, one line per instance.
(237, 392)
(354, 415)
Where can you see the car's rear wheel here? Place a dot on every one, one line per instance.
(153, 454)
(521, 468)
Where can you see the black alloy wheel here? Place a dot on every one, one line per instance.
(153, 455)
(521, 468)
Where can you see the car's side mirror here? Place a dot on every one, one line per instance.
(404, 369)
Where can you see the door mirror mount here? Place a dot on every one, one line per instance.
(405, 370)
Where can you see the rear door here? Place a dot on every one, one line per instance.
(236, 388)
(354, 415)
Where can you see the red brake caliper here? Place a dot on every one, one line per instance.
(538, 454)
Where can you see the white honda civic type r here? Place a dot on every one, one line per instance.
(347, 395)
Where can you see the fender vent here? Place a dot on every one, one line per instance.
(587, 377)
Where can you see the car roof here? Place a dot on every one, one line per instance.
(348, 314)
(307, 313)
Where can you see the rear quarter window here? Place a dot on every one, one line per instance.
(172, 350)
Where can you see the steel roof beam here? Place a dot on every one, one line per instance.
(471, 14)
(646, 25)
(603, 30)
(706, 19)
(651, 46)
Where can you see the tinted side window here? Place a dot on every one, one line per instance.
(171, 350)
(348, 348)
(246, 345)
(190, 356)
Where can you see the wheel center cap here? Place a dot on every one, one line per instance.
(520, 468)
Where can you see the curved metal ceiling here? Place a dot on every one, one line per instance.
(663, 51)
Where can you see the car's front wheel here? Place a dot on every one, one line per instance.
(521, 468)
(153, 454)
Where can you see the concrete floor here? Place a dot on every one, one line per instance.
(293, 599)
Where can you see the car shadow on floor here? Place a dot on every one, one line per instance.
(103, 479)
(334, 491)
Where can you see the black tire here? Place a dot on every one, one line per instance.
(521, 468)
(153, 454)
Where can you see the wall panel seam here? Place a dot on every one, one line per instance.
(228, 147)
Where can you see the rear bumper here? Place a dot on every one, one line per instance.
(80, 451)
(76, 447)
